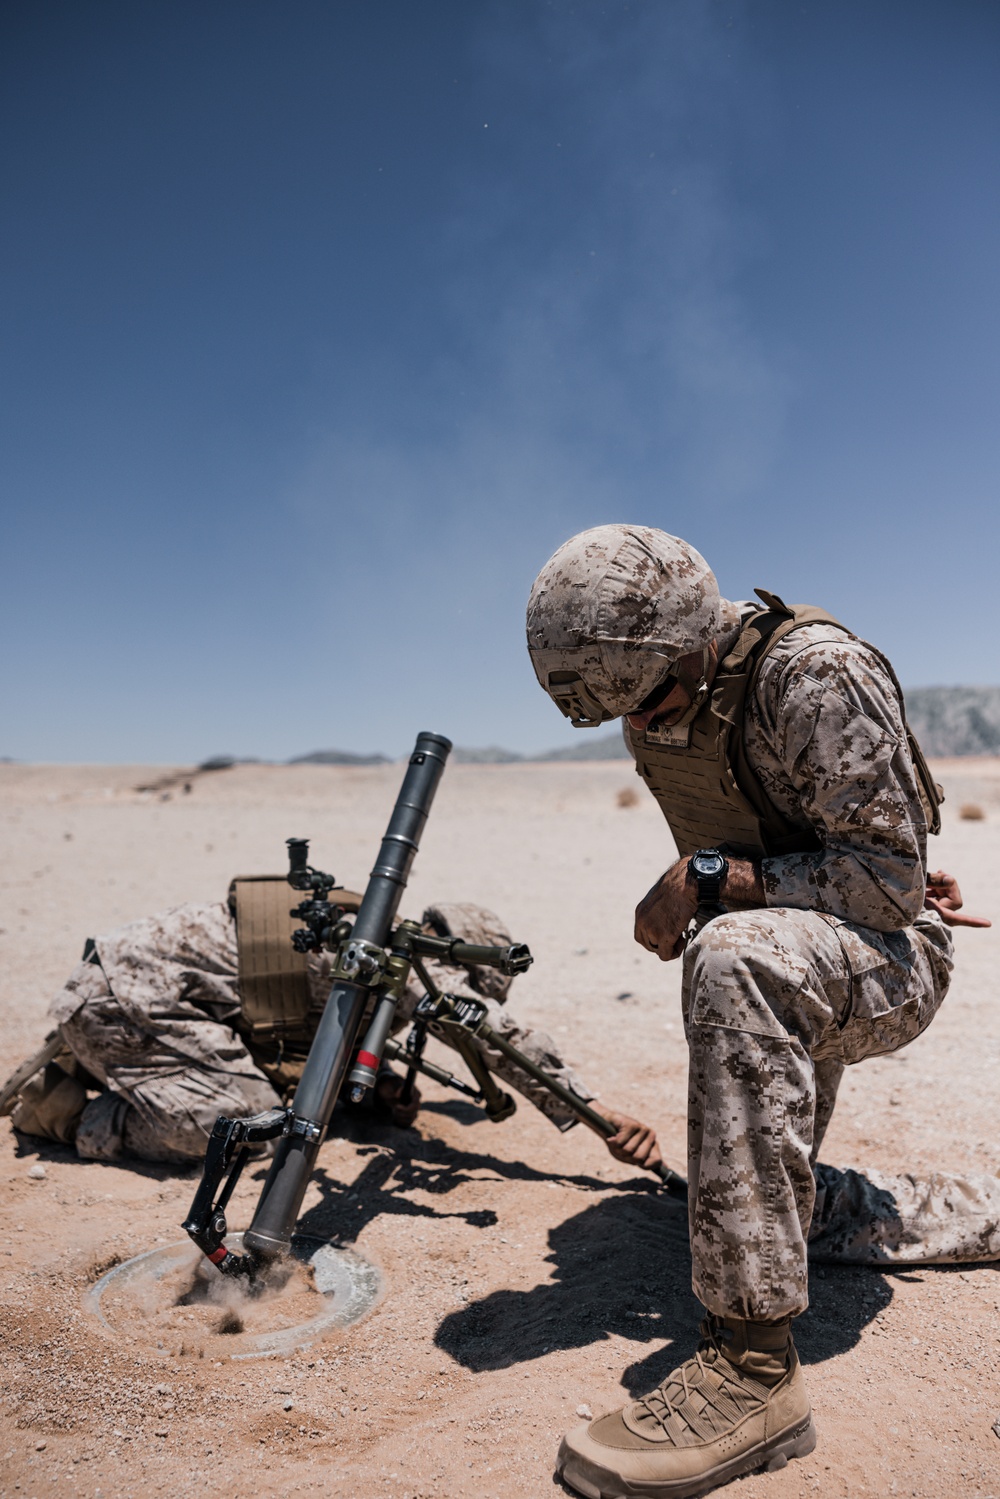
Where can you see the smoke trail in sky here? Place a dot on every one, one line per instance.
(592, 357)
(592, 347)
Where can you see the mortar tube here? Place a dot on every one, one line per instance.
(270, 1232)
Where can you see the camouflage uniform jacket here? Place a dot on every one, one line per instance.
(824, 732)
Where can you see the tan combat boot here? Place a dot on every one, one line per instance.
(50, 1105)
(739, 1404)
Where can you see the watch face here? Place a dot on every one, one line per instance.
(709, 863)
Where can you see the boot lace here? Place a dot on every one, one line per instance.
(704, 1397)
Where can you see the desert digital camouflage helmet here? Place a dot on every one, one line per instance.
(611, 612)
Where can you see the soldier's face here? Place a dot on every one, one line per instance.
(673, 698)
(672, 706)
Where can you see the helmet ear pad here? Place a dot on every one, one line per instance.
(659, 694)
(692, 673)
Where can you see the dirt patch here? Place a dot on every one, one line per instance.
(100, 1265)
(191, 1308)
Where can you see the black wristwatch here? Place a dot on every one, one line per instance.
(708, 868)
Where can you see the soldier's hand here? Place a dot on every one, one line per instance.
(635, 1143)
(663, 914)
(388, 1090)
(944, 897)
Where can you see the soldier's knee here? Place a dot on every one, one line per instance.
(100, 1133)
(740, 972)
(725, 940)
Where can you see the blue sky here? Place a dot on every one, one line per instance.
(326, 322)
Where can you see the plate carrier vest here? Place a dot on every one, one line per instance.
(702, 779)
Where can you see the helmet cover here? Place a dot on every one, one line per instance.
(610, 613)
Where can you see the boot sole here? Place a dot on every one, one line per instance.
(595, 1482)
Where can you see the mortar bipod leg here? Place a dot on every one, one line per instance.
(393, 1052)
(415, 1044)
(498, 1104)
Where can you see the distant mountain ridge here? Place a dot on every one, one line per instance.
(590, 747)
(601, 747)
(337, 757)
(948, 721)
(955, 720)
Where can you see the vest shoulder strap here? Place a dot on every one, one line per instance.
(738, 671)
(771, 624)
(757, 640)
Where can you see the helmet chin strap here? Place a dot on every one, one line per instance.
(696, 685)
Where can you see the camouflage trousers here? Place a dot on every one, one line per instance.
(165, 1083)
(776, 1002)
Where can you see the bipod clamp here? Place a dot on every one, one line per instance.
(456, 1018)
(228, 1151)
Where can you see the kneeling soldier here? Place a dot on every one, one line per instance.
(774, 741)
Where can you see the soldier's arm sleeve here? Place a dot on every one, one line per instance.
(836, 725)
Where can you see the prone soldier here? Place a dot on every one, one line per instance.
(812, 936)
(207, 1009)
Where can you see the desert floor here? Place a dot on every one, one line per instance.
(527, 1274)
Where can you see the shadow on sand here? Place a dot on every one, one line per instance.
(622, 1267)
(404, 1162)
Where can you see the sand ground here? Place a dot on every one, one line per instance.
(527, 1274)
